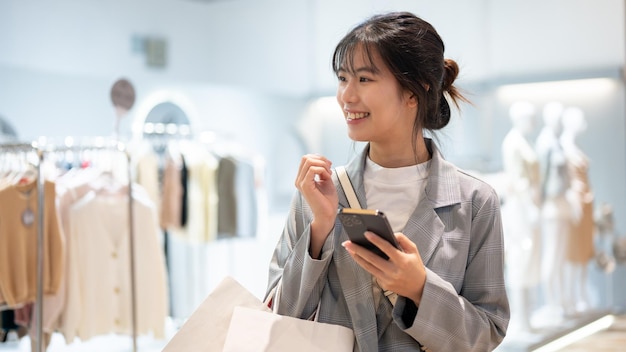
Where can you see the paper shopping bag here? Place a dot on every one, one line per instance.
(206, 328)
(255, 331)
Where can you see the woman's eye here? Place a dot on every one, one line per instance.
(341, 78)
(364, 79)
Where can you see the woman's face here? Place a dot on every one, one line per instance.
(374, 105)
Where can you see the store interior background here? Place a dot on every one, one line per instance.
(252, 73)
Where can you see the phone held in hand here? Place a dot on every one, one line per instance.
(357, 221)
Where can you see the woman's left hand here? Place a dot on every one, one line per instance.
(404, 273)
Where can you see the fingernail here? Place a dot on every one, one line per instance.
(344, 244)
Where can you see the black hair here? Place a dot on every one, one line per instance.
(414, 52)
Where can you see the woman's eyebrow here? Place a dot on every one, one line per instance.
(364, 69)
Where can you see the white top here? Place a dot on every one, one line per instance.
(395, 191)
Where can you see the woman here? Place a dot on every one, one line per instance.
(447, 279)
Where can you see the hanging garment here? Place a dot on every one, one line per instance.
(238, 203)
(184, 175)
(227, 208)
(147, 175)
(247, 203)
(19, 223)
(99, 283)
(172, 194)
(70, 187)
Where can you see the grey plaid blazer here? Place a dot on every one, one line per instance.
(457, 229)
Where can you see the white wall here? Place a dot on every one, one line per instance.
(256, 44)
(284, 46)
(542, 36)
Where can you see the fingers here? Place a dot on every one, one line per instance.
(375, 264)
(404, 273)
(314, 181)
(406, 244)
(312, 168)
(370, 256)
(367, 259)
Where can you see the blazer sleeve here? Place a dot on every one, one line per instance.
(296, 280)
(476, 318)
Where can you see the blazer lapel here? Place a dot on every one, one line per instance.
(356, 283)
(425, 229)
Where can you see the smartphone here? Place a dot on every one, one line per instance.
(357, 221)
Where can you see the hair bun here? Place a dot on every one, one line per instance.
(450, 72)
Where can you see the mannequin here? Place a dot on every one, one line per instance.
(520, 214)
(580, 249)
(555, 211)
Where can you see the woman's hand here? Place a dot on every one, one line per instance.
(314, 181)
(404, 273)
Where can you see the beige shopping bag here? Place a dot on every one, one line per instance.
(254, 330)
(206, 328)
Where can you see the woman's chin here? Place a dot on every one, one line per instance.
(357, 137)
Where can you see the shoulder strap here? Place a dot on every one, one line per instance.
(346, 184)
(344, 180)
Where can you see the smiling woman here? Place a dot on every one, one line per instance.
(446, 278)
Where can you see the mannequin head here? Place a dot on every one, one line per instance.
(574, 120)
(552, 114)
(522, 114)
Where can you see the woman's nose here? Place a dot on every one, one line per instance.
(348, 93)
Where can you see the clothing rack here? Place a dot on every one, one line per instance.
(41, 151)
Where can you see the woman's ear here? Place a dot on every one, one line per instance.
(411, 99)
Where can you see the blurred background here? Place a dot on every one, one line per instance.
(253, 78)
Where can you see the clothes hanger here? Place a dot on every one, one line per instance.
(26, 172)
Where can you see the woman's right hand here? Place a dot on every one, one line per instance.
(315, 182)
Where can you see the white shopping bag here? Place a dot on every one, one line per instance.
(254, 330)
(206, 328)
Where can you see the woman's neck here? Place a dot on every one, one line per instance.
(399, 154)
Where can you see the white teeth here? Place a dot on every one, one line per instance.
(357, 115)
